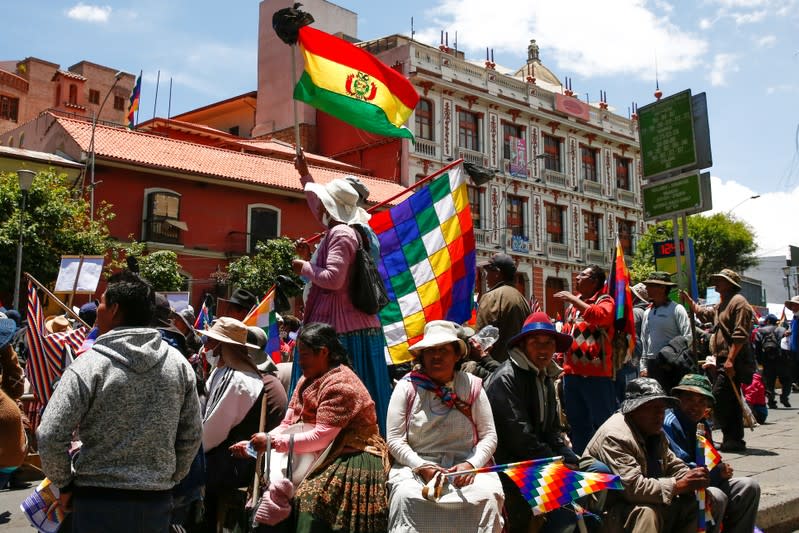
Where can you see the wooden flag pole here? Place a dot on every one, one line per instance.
(297, 145)
(375, 207)
(59, 302)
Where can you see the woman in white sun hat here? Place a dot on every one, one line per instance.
(440, 421)
(336, 205)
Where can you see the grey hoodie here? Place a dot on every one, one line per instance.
(133, 400)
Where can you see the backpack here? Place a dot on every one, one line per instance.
(673, 361)
(769, 343)
(367, 291)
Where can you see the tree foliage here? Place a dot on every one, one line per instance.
(720, 241)
(56, 222)
(257, 273)
(160, 267)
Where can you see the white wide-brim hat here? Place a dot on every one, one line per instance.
(438, 332)
(340, 200)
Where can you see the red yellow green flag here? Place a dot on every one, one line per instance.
(353, 85)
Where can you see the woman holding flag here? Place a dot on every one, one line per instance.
(329, 272)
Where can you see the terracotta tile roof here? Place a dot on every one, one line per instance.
(152, 151)
(68, 74)
(278, 147)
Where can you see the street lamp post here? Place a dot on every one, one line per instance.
(92, 183)
(753, 197)
(25, 183)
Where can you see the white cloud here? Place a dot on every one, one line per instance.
(781, 88)
(767, 41)
(623, 37)
(705, 24)
(749, 18)
(89, 13)
(723, 64)
(767, 215)
(741, 3)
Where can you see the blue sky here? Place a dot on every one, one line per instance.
(743, 53)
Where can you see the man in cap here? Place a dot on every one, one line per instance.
(503, 305)
(522, 396)
(589, 395)
(132, 400)
(735, 500)
(663, 320)
(88, 313)
(732, 320)
(658, 488)
(776, 361)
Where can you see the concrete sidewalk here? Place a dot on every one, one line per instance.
(772, 459)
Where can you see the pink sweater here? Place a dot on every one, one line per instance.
(329, 300)
(755, 393)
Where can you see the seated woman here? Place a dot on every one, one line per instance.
(439, 420)
(232, 410)
(347, 491)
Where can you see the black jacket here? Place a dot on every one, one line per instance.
(525, 411)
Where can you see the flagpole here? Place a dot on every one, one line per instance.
(502, 468)
(317, 236)
(297, 145)
(55, 298)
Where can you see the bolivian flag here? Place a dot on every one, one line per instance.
(354, 86)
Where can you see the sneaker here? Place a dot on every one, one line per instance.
(735, 446)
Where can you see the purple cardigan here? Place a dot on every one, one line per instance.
(329, 299)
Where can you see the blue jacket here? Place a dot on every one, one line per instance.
(681, 434)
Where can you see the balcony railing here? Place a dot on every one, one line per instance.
(556, 249)
(426, 148)
(555, 178)
(596, 256)
(627, 197)
(165, 230)
(592, 187)
(471, 156)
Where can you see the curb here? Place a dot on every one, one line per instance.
(781, 515)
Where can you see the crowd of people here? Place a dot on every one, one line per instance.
(158, 426)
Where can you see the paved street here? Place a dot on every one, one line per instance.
(773, 459)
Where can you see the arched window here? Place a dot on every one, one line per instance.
(161, 218)
(263, 223)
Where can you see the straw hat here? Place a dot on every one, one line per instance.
(228, 330)
(340, 200)
(438, 332)
(793, 303)
(57, 324)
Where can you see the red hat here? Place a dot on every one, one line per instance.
(541, 323)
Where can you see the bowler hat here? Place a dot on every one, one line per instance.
(539, 322)
(243, 298)
(641, 391)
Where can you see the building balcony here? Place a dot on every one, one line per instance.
(555, 178)
(471, 156)
(628, 197)
(164, 230)
(558, 250)
(599, 257)
(592, 187)
(426, 148)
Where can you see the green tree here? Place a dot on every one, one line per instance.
(160, 267)
(720, 241)
(56, 222)
(257, 273)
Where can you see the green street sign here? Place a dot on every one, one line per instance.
(678, 195)
(666, 132)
